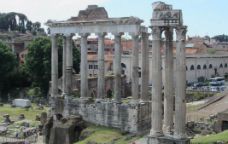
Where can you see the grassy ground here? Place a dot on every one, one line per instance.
(104, 135)
(210, 139)
(30, 113)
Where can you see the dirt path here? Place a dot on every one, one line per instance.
(211, 109)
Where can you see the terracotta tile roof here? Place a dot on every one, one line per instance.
(93, 57)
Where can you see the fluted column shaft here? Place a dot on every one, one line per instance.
(145, 67)
(156, 116)
(69, 64)
(101, 67)
(84, 67)
(54, 67)
(180, 102)
(168, 85)
(135, 66)
(117, 68)
(64, 67)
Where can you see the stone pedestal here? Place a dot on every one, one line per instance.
(166, 140)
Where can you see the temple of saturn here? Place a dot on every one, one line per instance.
(141, 114)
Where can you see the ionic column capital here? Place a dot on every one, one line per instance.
(181, 33)
(156, 33)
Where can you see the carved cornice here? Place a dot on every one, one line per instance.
(111, 21)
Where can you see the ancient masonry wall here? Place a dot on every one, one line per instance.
(133, 118)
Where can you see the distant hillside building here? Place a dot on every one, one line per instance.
(199, 61)
(18, 42)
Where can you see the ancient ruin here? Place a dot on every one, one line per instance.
(141, 112)
(167, 19)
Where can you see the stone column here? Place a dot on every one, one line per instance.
(69, 64)
(145, 67)
(54, 67)
(168, 85)
(117, 68)
(180, 102)
(156, 116)
(101, 67)
(64, 67)
(84, 66)
(135, 67)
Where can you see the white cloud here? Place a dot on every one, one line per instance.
(42, 10)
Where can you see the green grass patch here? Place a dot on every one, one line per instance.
(210, 139)
(104, 135)
(14, 112)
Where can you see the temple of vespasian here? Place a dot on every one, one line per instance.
(142, 112)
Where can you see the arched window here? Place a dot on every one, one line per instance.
(198, 67)
(221, 66)
(204, 66)
(210, 66)
(192, 67)
(225, 65)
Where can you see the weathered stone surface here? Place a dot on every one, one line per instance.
(37, 118)
(7, 119)
(93, 12)
(21, 117)
(134, 118)
(166, 140)
(43, 118)
(63, 130)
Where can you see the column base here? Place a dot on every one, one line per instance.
(166, 140)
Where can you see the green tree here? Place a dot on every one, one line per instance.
(38, 62)
(8, 64)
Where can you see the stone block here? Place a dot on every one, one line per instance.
(166, 140)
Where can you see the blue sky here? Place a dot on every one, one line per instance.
(203, 17)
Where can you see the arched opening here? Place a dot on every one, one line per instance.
(204, 66)
(225, 65)
(198, 67)
(123, 66)
(139, 72)
(192, 67)
(109, 93)
(221, 66)
(210, 66)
